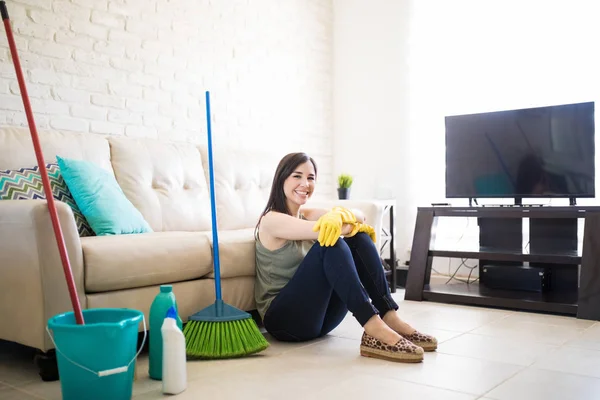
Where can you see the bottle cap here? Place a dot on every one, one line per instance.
(172, 313)
(166, 288)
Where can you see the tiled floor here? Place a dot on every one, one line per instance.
(484, 354)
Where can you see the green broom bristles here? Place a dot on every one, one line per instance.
(229, 339)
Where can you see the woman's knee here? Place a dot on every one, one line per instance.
(340, 245)
(361, 238)
(338, 258)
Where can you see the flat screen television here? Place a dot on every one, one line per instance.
(524, 153)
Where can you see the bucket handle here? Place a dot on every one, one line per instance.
(106, 372)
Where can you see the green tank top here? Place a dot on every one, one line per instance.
(275, 268)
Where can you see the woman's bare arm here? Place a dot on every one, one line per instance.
(286, 227)
(360, 216)
(283, 226)
(313, 214)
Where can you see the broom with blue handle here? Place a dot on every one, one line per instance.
(220, 330)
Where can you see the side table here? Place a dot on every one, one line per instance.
(387, 237)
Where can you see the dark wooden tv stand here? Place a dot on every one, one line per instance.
(551, 243)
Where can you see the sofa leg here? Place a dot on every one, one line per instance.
(47, 365)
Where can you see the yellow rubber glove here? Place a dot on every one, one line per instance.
(329, 227)
(348, 216)
(369, 230)
(330, 235)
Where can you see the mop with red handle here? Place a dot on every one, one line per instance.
(60, 241)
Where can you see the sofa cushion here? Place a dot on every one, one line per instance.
(164, 181)
(237, 255)
(129, 261)
(100, 199)
(192, 296)
(242, 184)
(16, 148)
(26, 184)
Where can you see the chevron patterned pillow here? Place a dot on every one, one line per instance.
(26, 184)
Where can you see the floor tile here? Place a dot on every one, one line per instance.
(588, 339)
(537, 384)
(406, 308)
(444, 371)
(372, 387)
(572, 360)
(288, 377)
(8, 393)
(208, 389)
(18, 373)
(142, 382)
(45, 390)
(548, 319)
(16, 364)
(529, 331)
(500, 349)
(456, 319)
(330, 353)
(456, 373)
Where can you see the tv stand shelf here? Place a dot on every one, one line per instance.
(474, 293)
(496, 255)
(583, 302)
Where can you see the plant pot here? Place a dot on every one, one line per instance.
(343, 193)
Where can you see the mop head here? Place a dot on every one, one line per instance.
(222, 331)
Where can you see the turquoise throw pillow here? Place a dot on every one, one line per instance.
(100, 199)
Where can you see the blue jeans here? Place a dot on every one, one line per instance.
(329, 282)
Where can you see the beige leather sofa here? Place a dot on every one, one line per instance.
(168, 183)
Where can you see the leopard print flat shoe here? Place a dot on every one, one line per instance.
(403, 351)
(427, 342)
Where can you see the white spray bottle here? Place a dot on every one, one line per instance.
(174, 373)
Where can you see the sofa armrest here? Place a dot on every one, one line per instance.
(32, 282)
(373, 210)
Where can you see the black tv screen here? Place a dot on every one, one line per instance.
(533, 152)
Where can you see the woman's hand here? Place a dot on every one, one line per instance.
(347, 228)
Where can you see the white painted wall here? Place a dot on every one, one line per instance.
(140, 68)
(370, 101)
(400, 66)
(471, 56)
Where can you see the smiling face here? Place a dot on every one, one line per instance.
(299, 186)
(293, 184)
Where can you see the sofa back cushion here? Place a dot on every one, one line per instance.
(164, 180)
(243, 181)
(16, 148)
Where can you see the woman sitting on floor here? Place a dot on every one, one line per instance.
(308, 277)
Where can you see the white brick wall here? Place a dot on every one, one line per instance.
(140, 68)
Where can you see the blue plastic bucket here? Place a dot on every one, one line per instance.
(96, 360)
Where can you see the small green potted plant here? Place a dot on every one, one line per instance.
(344, 183)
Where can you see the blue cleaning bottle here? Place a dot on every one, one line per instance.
(158, 310)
